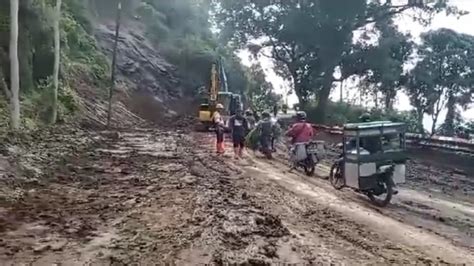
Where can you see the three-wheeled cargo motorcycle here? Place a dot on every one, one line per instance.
(373, 160)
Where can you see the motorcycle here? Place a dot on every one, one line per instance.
(305, 156)
(371, 168)
(376, 185)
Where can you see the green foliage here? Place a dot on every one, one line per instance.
(37, 105)
(155, 21)
(181, 30)
(308, 39)
(260, 93)
(445, 75)
(80, 52)
(381, 64)
(342, 113)
(80, 56)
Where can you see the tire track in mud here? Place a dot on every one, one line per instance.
(447, 217)
(359, 210)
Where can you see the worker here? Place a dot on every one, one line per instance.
(219, 126)
(364, 118)
(266, 132)
(276, 131)
(239, 127)
(251, 121)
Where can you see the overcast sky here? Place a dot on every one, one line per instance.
(464, 24)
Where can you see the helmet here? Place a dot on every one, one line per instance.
(365, 117)
(219, 106)
(266, 114)
(248, 112)
(301, 115)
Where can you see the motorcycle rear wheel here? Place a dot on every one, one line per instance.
(384, 199)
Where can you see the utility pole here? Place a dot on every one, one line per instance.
(114, 59)
(341, 97)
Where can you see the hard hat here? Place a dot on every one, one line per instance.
(365, 117)
(265, 114)
(301, 115)
(219, 106)
(248, 112)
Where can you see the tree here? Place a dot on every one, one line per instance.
(260, 93)
(382, 63)
(307, 39)
(445, 75)
(57, 57)
(114, 59)
(419, 88)
(14, 91)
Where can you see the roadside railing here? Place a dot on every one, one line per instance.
(417, 140)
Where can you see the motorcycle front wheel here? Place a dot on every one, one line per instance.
(384, 199)
(309, 170)
(335, 176)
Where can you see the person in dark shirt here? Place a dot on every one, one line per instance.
(239, 127)
(265, 128)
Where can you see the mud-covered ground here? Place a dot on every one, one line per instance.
(149, 196)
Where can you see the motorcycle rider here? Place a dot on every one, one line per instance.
(300, 132)
(371, 144)
(239, 127)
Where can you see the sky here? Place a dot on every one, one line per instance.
(464, 24)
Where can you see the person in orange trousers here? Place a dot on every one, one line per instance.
(219, 127)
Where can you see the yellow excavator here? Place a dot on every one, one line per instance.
(217, 92)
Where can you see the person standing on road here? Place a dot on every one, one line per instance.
(219, 126)
(250, 119)
(265, 130)
(239, 127)
(276, 131)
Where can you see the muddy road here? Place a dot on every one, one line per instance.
(150, 196)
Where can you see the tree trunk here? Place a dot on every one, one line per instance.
(341, 92)
(299, 90)
(420, 127)
(434, 118)
(302, 100)
(114, 59)
(323, 97)
(57, 57)
(14, 67)
(389, 100)
(376, 99)
(450, 116)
